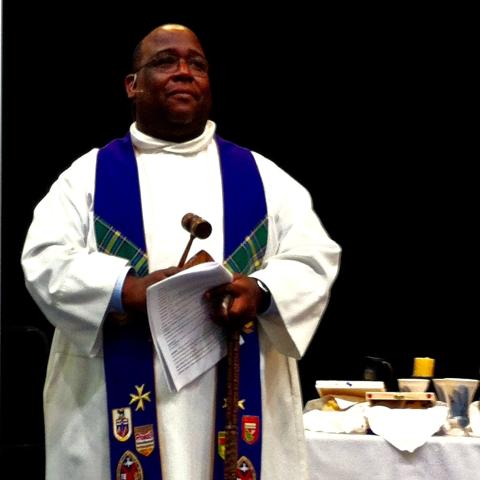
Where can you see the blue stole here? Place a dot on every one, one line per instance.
(128, 349)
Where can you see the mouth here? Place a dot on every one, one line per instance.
(182, 94)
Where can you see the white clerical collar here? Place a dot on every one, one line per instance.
(149, 144)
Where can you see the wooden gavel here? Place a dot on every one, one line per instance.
(198, 228)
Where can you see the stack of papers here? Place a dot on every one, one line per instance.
(187, 341)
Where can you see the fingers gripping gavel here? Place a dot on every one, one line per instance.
(134, 288)
(198, 228)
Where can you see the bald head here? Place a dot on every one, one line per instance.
(159, 31)
(169, 85)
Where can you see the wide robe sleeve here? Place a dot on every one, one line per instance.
(300, 265)
(69, 279)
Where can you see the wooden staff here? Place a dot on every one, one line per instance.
(200, 228)
(233, 382)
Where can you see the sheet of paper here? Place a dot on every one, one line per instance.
(188, 342)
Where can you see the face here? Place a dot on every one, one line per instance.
(171, 88)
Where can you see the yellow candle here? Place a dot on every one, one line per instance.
(423, 367)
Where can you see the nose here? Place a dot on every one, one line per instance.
(183, 67)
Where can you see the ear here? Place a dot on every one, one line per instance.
(131, 85)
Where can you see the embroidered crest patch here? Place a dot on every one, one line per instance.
(250, 429)
(221, 444)
(144, 439)
(129, 467)
(245, 470)
(122, 423)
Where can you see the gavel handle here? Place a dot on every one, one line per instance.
(185, 252)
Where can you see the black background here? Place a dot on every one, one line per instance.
(373, 110)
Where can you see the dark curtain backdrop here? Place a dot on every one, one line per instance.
(372, 110)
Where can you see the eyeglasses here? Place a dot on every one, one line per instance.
(170, 63)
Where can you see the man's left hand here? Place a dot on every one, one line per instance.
(234, 304)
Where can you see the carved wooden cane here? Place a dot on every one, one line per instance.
(200, 228)
(233, 382)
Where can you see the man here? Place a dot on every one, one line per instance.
(76, 268)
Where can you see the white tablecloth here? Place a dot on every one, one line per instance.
(369, 457)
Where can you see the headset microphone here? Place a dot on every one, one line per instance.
(134, 84)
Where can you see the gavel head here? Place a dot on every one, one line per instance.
(196, 226)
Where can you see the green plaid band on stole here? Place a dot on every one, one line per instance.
(249, 254)
(111, 241)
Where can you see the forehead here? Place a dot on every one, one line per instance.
(180, 40)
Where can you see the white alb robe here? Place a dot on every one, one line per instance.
(73, 283)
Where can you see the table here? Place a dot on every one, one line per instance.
(369, 457)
